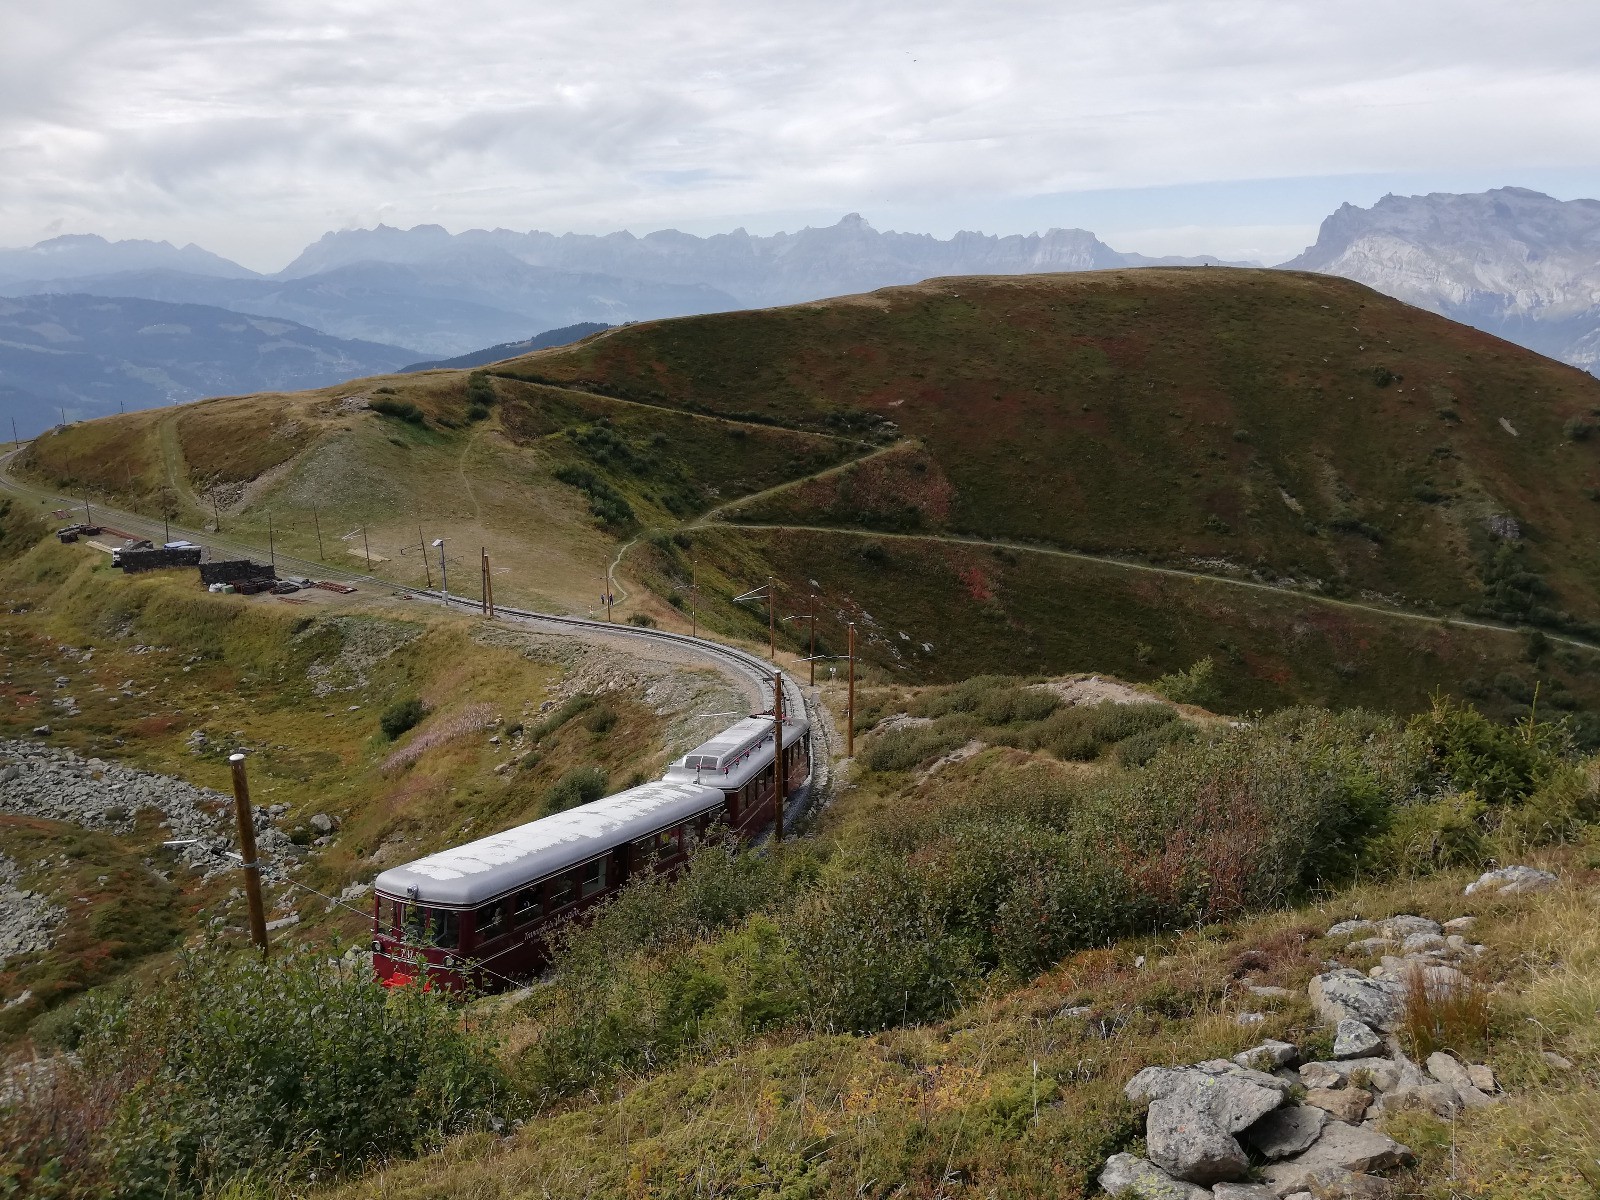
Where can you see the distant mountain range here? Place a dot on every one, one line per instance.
(492, 354)
(449, 294)
(1512, 262)
(87, 356)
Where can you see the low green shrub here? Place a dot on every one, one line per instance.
(1197, 685)
(274, 1072)
(401, 716)
(908, 747)
(580, 785)
(402, 409)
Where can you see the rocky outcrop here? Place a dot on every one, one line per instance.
(1513, 881)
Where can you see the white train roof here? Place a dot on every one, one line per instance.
(736, 755)
(495, 865)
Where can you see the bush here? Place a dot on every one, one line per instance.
(907, 748)
(401, 716)
(278, 1072)
(605, 502)
(645, 620)
(403, 409)
(580, 785)
(600, 720)
(1466, 751)
(1197, 685)
(1578, 429)
(559, 716)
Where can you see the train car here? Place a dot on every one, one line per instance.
(480, 914)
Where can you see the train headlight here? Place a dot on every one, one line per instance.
(449, 960)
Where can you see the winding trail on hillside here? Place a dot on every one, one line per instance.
(1148, 568)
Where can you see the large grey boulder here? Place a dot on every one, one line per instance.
(1513, 881)
(1341, 1147)
(1354, 1039)
(1130, 1175)
(1351, 928)
(1347, 994)
(1191, 1145)
(1233, 1100)
(1453, 1075)
(1286, 1131)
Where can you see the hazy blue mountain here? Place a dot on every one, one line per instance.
(80, 254)
(1512, 262)
(784, 268)
(443, 306)
(91, 355)
(493, 354)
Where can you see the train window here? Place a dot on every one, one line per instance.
(491, 920)
(412, 919)
(594, 877)
(444, 928)
(670, 841)
(391, 913)
(526, 906)
(644, 850)
(559, 891)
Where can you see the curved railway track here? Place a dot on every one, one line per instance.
(749, 668)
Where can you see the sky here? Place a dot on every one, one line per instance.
(1220, 127)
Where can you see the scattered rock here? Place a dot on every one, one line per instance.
(323, 823)
(1371, 945)
(1350, 928)
(1334, 1183)
(1128, 1174)
(1244, 1018)
(1286, 1131)
(1320, 1075)
(1559, 1062)
(1347, 994)
(1513, 881)
(1233, 1101)
(294, 918)
(1483, 1079)
(1190, 1145)
(1267, 1055)
(1346, 1104)
(1243, 1191)
(1355, 1040)
(1453, 1075)
(1460, 924)
(1422, 943)
(1405, 925)
(1269, 992)
(1436, 1098)
(1342, 1147)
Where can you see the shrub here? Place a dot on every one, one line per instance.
(402, 409)
(401, 716)
(600, 720)
(580, 785)
(1432, 836)
(1468, 752)
(280, 1071)
(907, 748)
(559, 716)
(1578, 429)
(605, 502)
(1197, 685)
(480, 391)
(645, 620)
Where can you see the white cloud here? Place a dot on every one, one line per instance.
(251, 127)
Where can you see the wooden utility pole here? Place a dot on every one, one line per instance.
(216, 515)
(426, 569)
(772, 627)
(694, 585)
(317, 521)
(813, 658)
(247, 847)
(780, 779)
(87, 519)
(16, 438)
(366, 546)
(605, 584)
(850, 707)
(272, 546)
(487, 587)
(488, 582)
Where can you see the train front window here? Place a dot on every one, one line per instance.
(491, 920)
(413, 918)
(444, 928)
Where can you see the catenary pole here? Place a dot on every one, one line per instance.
(426, 568)
(850, 707)
(316, 520)
(779, 776)
(247, 847)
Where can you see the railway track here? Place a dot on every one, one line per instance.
(741, 664)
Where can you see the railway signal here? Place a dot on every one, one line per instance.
(250, 860)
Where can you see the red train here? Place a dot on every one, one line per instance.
(482, 913)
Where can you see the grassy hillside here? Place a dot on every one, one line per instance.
(1293, 426)
(1293, 431)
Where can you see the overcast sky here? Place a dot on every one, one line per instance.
(1223, 127)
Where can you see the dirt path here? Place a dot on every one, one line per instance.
(1172, 572)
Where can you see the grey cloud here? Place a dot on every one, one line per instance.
(274, 118)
